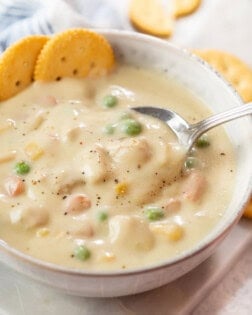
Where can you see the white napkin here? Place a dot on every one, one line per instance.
(19, 18)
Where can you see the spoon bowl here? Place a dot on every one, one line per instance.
(187, 133)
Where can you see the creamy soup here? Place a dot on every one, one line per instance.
(88, 183)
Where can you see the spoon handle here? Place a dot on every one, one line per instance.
(215, 120)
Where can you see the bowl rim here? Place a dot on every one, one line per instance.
(187, 253)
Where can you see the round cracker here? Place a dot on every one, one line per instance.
(151, 17)
(240, 76)
(248, 211)
(185, 7)
(233, 70)
(17, 65)
(74, 53)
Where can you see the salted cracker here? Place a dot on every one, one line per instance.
(185, 7)
(151, 17)
(233, 70)
(248, 211)
(239, 75)
(17, 65)
(74, 53)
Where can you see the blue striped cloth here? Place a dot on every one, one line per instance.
(19, 18)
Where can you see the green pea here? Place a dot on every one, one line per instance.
(22, 168)
(102, 216)
(191, 162)
(154, 213)
(203, 141)
(109, 129)
(82, 252)
(109, 101)
(131, 127)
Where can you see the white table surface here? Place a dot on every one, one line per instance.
(221, 24)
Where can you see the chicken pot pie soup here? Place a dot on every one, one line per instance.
(88, 183)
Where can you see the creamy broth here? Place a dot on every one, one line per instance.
(101, 187)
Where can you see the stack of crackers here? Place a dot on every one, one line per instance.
(157, 17)
(73, 53)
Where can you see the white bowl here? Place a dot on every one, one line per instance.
(148, 52)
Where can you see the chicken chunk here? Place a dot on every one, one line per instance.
(65, 181)
(82, 229)
(36, 121)
(30, 216)
(131, 233)
(131, 152)
(194, 186)
(77, 203)
(73, 134)
(97, 165)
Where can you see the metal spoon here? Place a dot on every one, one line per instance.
(188, 133)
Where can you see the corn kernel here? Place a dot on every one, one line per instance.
(121, 189)
(42, 232)
(173, 232)
(33, 151)
(108, 257)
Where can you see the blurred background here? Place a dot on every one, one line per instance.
(221, 24)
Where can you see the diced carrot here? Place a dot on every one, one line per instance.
(14, 186)
(77, 203)
(172, 205)
(48, 100)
